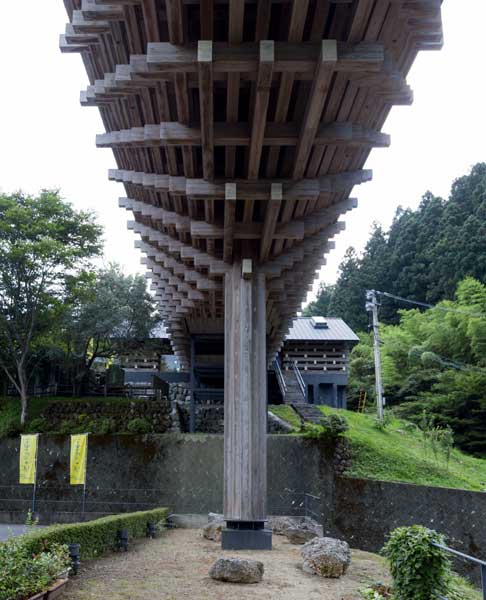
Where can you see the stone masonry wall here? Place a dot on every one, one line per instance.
(119, 412)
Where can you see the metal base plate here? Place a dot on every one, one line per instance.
(246, 539)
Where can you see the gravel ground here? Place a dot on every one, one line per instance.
(175, 567)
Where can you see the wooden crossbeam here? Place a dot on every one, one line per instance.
(243, 58)
(275, 134)
(185, 251)
(305, 190)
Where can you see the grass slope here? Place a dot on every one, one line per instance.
(397, 454)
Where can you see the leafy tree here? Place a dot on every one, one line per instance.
(349, 293)
(320, 306)
(423, 256)
(434, 360)
(111, 313)
(44, 245)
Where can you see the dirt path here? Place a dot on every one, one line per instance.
(175, 567)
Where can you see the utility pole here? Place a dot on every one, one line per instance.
(372, 306)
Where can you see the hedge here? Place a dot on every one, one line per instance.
(96, 537)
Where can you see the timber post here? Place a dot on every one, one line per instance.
(245, 404)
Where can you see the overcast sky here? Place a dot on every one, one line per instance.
(48, 140)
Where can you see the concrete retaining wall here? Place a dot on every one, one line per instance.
(183, 472)
(363, 512)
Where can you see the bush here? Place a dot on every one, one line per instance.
(139, 426)
(96, 537)
(23, 574)
(420, 570)
(38, 425)
(102, 425)
(331, 427)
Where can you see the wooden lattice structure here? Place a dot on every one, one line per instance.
(239, 129)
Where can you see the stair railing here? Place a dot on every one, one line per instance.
(280, 378)
(300, 380)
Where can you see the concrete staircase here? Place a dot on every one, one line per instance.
(294, 393)
(308, 412)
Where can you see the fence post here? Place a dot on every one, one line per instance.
(483, 580)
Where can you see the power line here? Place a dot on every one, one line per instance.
(435, 306)
(445, 362)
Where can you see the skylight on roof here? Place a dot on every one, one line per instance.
(319, 323)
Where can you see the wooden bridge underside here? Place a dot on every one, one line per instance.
(239, 129)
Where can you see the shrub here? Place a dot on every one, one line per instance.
(96, 537)
(139, 426)
(38, 425)
(102, 425)
(420, 570)
(65, 426)
(331, 427)
(23, 573)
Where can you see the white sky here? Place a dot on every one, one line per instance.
(48, 140)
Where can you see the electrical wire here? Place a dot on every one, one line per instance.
(434, 306)
(446, 362)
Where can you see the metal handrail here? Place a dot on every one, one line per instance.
(472, 559)
(280, 378)
(300, 380)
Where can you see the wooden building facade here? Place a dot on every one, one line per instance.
(239, 129)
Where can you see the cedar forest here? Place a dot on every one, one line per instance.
(434, 359)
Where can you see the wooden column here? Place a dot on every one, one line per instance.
(192, 407)
(245, 400)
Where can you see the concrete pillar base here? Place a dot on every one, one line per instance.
(246, 539)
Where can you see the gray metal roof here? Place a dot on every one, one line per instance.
(337, 330)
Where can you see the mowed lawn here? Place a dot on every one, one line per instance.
(397, 453)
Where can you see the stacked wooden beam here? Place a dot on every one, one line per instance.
(239, 129)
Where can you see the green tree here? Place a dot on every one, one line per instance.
(44, 244)
(320, 306)
(110, 314)
(348, 299)
(434, 360)
(423, 256)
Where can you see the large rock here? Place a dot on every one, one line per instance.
(326, 557)
(237, 570)
(295, 527)
(279, 524)
(212, 531)
(299, 535)
(302, 530)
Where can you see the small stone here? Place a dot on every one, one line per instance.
(212, 531)
(326, 557)
(237, 570)
(215, 517)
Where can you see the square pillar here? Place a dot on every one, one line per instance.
(245, 410)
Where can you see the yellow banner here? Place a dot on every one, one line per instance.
(28, 458)
(79, 454)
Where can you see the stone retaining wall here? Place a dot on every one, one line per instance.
(119, 412)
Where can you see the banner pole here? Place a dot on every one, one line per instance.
(84, 497)
(35, 475)
(85, 473)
